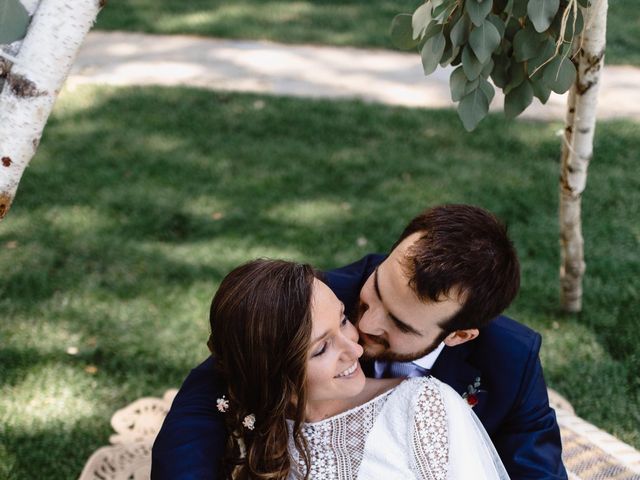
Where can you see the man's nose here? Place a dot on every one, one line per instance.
(371, 322)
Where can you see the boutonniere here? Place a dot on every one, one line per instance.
(471, 395)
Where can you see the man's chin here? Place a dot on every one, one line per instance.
(378, 352)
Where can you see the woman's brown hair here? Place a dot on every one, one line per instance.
(260, 332)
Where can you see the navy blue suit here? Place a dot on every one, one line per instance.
(512, 398)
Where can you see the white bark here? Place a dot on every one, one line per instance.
(57, 29)
(577, 152)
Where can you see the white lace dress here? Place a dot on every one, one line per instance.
(421, 429)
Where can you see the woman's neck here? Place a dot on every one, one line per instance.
(323, 409)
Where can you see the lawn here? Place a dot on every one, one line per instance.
(333, 22)
(141, 199)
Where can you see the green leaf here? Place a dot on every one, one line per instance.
(540, 90)
(402, 32)
(559, 74)
(471, 86)
(478, 10)
(432, 53)
(519, 8)
(518, 99)
(473, 108)
(484, 40)
(460, 31)
(14, 20)
(545, 53)
(433, 29)
(541, 13)
(487, 68)
(472, 67)
(449, 55)
(499, 74)
(527, 43)
(487, 89)
(442, 12)
(584, 3)
(498, 23)
(516, 75)
(420, 19)
(458, 83)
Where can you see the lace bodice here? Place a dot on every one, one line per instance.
(413, 412)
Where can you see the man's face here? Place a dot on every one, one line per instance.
(395, 324)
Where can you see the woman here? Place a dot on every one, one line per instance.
(299, 406)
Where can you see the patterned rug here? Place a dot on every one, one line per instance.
(588, 452)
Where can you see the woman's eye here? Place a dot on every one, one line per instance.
(344, 321)
(321, 351)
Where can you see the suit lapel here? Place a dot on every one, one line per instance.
(452, 367)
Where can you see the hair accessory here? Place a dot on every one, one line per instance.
(222, 404)
(249, 421)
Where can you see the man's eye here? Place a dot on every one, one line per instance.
(321, 351)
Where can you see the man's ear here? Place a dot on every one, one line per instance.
(461, 336)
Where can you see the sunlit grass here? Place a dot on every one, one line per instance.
(122, 230)
(346, 22)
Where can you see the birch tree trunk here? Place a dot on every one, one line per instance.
(577, 152)
(57, 29)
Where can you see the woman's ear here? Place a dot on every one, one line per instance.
(461, 336)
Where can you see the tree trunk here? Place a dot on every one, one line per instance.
(57, 29)
(577, 151)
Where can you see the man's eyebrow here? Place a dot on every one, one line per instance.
(320, 337)
(404, 327)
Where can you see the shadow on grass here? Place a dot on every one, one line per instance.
(140, 200)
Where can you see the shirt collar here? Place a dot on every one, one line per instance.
(428, 360)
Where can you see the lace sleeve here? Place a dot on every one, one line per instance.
(430, 439)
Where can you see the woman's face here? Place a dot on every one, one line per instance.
(333, 370)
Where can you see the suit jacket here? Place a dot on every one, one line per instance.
(512, 398)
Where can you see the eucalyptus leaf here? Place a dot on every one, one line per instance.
(487, 68)
(546, 52)
(457, 84)
(432, 53)
(473, 108)
(402, 32)
(508, 9)
(449, 55)
(516, 76)
(433, 29)
(527, 43)
(584, 3)
(14, 20)
(540, 90)
(460, 31)
(499, 74)
(487, 89)
(440, 12)
(484, 40)
(498, 23)
(420, 19)
(472, 85)
(541, 13)
(478, 10)
(559, 74)
(472, 67)
(518, 99)
(519, 8)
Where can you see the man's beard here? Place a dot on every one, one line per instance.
(386, 354)
(389, 356)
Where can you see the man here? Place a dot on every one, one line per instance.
(430, 307)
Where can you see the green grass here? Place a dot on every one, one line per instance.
(140, 200)
(333, 22)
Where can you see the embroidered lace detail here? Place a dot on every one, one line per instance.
(430, 434)
(336, 445)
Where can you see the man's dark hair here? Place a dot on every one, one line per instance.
(465, 251)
